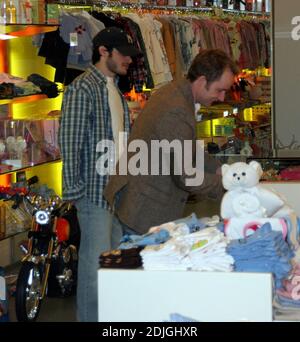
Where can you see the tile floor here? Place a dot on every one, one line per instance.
(64, 309)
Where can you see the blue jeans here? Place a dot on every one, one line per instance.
(99, 233)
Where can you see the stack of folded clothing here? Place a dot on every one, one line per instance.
(202, 250)
(290, 286)
(47, 87)
(121, 258)
(286, 309)
(263, 251)
(13, 86)
(287, 299)
(208, 252)
(7, 91)
(166, 256)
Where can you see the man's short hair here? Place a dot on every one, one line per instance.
(211, 63)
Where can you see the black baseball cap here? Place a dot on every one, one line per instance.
(115, 37)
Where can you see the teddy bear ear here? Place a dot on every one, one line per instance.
(225, 168)
(257, 167)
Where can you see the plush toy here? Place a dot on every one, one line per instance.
(245, 197)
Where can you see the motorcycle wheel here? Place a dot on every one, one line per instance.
(28, 292)
(63, 273)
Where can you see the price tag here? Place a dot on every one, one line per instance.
(2, 288)
(189, 3)
(73, 39)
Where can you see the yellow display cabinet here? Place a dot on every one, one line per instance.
(28, 124)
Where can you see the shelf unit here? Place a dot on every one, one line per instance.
(23, 99)
(19, 57)
(32, 107)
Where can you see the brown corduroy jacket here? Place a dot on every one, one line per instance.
(144, 201)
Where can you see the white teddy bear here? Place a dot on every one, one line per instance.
(245, 197)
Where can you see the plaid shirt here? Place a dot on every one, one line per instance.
(85, 121)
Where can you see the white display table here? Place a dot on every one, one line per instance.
(151, 296)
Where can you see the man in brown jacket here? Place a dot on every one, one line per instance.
(152, 198)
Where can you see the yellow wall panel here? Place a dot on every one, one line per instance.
(50, 174)
(23, 60)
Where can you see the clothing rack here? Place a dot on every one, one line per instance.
(126, 5)
(179, 58)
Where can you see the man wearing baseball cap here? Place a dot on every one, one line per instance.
(114, 37)
(93, 110)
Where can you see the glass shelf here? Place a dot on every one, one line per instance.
(25, 166)
(22, 30)
(31, 107)
(28, 142)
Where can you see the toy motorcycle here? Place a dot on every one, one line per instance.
(50, 264)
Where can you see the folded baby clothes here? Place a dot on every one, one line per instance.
(132, 240)
(291, 287)
(202, 250)
(285, 309)
(263, 251)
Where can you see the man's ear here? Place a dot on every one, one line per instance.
(103, 51)
(201, 81)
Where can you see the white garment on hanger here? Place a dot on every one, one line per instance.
(117, 114)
